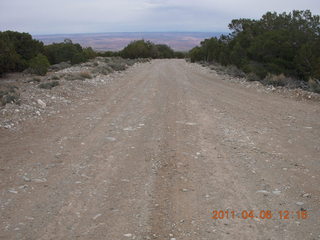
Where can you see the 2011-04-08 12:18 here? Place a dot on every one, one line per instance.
(262, 214)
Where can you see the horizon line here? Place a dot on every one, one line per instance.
(48, 34)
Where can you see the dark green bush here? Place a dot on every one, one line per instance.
(39, 64)
(16, 49)
(140, 49)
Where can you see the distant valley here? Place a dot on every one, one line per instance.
(179, 41)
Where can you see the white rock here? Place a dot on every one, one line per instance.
(127, 235)
(41, 103)
(306, 195)
(299, 203)
(262, 191)
(276, 192)
(12, 191)
(26, 179)
(96, 216)
(39, 180)
(112, 139)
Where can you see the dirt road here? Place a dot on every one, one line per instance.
(152, 154)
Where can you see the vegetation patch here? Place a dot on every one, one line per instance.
(279, 49)
(314, 85)
(9, 94)
(49, 85)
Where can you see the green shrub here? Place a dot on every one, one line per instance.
(234, 71)
(314, 85)
(276, 80)
(68, 51)
(39, 64)
(253, 77)
(49, 85)
(140, 49)
(16, 49)
(55, 77)
(118, 66)
(105, 70)
(9, 94)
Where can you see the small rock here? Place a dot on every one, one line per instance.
(26, 179)
(299, 203)
(39, 180)
(111, 139)
(262, 191)
(306, 195)
(12, 191)
(96, 216)
(41, 103)
(184, 190)
(276, 192)
(127, 235)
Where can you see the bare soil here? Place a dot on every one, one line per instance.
(152, 153)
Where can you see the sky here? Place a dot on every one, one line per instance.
(91, 16)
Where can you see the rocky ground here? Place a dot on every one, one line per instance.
(36, 97)
(152, 151)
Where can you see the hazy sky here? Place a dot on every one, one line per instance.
(79, 16)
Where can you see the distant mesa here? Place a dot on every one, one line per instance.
(179, 41)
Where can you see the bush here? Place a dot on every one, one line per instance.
(118, 66)
(105, 70)
(60, 66)
(314, 85)
(49, 85)
(140, 49)
(235, 72)
(277, 80)
(68, 51)
(39, 64)
(251, 77)
(16, 49)
(9, 94)
(55, 77)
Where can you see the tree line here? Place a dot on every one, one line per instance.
(286, 43)
(19, 51)
(146, 49)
